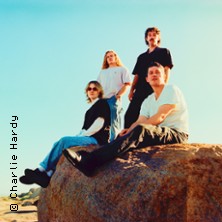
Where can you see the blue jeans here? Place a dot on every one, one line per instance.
(50, 161)
(115, 118)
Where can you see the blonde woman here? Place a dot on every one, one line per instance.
(115, 80)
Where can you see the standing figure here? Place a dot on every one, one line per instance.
(115, 80)
(95, 131)
(139, 88)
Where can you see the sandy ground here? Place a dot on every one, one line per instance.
(23, 213)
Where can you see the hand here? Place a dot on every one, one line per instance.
(118, 96)
(123, 132)
(130, 96)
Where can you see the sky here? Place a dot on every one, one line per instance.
(50, 50)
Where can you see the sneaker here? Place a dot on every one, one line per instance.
(79, 161)
(29, 171)
(38, 177)
(25, 180)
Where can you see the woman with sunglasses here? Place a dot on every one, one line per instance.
(95, 131)
(115, 80)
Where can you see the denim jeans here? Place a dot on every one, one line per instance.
(50, 161)
(115, 118)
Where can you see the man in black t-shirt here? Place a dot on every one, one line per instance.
(95, 131)
(139, 88)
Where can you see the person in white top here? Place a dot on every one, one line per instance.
(163, 120)
(115, 80)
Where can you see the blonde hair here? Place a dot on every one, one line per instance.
(105, 64)
(98, 86)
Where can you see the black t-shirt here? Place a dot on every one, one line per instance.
(160, 55)
(99, 109)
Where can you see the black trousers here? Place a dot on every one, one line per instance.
(133, 110)
(140, 137)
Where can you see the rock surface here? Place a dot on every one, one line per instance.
(181, 182)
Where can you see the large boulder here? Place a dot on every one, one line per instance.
(180, 182)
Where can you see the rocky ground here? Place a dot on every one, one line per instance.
(168, 183)
(25, 204)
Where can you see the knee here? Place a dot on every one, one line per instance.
(64, 140)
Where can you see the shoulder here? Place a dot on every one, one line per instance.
(174, 87)
(163, 50)
(101, 102)
(124, 70)
(172, 90)
(120, 68)
(100, 106)
(149, 98)
(102, 71)
(171, 87)
(142, 55)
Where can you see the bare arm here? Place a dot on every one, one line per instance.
(133, 86)
(161, 114)
(167, 72)
(156, 119)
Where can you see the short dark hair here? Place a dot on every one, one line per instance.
(152, 29)
(153, 63)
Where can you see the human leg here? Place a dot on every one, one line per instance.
(42, 175)
(50, 161)
(115, 118)
(139, 137)
(133, 111)
(87, 162)
(156, 135)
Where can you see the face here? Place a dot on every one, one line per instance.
(110, 58)
(156, 76)
(152, 38)
(92, 92)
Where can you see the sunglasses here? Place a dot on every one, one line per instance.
(93, 89)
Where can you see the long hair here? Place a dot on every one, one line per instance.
(105, 64)
(152, 29)
(98, 86)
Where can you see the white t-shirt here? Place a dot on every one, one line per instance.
(171, 94)
(113, 79)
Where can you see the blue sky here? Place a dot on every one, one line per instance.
(49, 50)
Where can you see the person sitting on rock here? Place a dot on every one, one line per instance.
(95, 131)
(163, 120)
